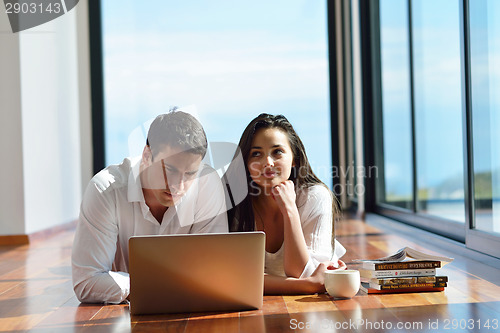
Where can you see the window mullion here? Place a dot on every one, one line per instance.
(467, 117)
(412, 109)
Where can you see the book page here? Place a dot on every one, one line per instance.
(408, 252)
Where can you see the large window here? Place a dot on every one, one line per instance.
(485, 85)
(439, 111)
(421, 107)
(438, 108)
(397, 118)
(228, 60)
(424, 73)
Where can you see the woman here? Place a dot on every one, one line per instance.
(290, 204)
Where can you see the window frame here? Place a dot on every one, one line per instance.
(473, 239)
(96, 85)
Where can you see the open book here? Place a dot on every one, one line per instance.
(408, 252)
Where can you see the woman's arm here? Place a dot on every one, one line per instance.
(288, 285)
(295, 255)
(316, 216)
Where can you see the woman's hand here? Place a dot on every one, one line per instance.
(342, 265)
(280, 285)
(295, 249)
(285, 196)
(317, 278)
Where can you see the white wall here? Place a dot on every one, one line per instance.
(11, 168)
(52, 111)
(85, 108)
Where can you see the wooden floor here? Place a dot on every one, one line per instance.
(36, 295)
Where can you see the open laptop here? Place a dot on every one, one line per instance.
(196, 272)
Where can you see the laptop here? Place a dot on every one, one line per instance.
(196, 272)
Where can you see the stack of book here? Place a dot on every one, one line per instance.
(408, 270)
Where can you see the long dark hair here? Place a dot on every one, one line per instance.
(241, 216)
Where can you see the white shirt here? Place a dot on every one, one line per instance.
(315, 211)
(113, 209)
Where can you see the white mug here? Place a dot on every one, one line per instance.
(342, 283)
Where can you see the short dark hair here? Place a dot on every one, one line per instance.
(177, 129)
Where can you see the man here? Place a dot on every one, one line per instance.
(166, 191)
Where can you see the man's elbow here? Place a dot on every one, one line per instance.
(91, 291)
(83, 294)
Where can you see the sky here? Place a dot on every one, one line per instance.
(437, 94)
(228, 60)
(232, 60)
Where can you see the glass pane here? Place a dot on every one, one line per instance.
(231, 59)
(438, 108)
(397, 182)
(485, 79)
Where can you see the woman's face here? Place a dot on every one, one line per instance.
(270, 159)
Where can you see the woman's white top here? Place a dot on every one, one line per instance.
(316, 217)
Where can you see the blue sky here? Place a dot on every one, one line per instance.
(231, 59)
(235, 59)
(437, 94)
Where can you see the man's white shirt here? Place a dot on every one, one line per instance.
(113, 209)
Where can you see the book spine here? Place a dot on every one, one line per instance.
(394, 291)
(410, 279)
(397, 273)
(410, 286)
(407, 265)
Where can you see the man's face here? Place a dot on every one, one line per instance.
(169, 174)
